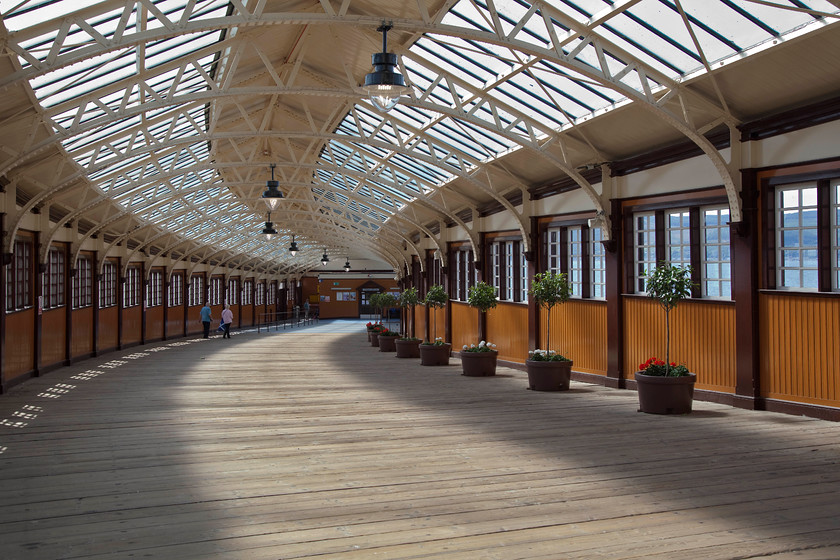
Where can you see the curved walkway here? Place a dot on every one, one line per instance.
(311, 444)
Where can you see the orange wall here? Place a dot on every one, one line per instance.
(702, 338)
(800, 335)
(82, 340)
(247, 316)
(464, 326)
(579, 332)
(108, 328)
(154, 323)
(175, 322)
(20, 348)
(334, 308)
(194, 319)
(53, 336)
(507, 328)
(437, 323)
(132, 325)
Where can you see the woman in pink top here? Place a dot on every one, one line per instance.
(227, 319)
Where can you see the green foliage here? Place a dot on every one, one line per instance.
(548, 289)
(375, 301)
(661, 368)
(482, 296)
(436, 297)
(409, 297)
(668, 284)
(387, 301)
(438, 342)
(546, 356)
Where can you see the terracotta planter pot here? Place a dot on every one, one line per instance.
(431, 355)
(387, 343)
(665, 395)
(479, 364)
(548, 376)
(408, 348)
(374, 339)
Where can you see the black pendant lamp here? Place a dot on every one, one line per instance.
(384, 85)
(272, 194)
(325, 259)
(347, 265)
(293, 248)
(268, 231)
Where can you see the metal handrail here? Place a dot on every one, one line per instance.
(284, 320)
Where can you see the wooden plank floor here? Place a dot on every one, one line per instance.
(312, 444)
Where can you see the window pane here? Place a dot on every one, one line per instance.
(717, 277)
(797, 240)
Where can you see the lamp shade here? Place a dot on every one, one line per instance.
(384, 85)
(347, 265)
(293, 248)
(268, 231)
(272, 194)
(325, 259)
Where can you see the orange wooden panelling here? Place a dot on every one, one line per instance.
(20, 349)
(81, 343)
(194, 320)
(799, 337)
(464, 326)
(336, 309)
(175, 322)
(418, 328)
(247, 316)
(702, 338)
(53, 336)
(108, 328)
(507, 328)
(579, 332)
(131, 325)
(437, 323)
(154, 323)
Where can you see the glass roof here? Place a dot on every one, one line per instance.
(477, 92)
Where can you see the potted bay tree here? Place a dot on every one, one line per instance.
(409, 346)
(665, 387)
(479, 360)
(549, 370)
(436, 352)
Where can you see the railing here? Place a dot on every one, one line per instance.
(284, 320)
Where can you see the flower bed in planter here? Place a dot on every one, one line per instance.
(408, 347)
(435, 353)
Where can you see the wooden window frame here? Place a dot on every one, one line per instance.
(20, 276)
(83, 283)
(825, 205)
(108, 285)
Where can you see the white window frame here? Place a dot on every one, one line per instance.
(574, 260)
(835, 235)
(678, 237)
(496, 268)
(716, 270)
(807, 277)
(597, 265)
(509, 272)
(644, 248)
(553, 238)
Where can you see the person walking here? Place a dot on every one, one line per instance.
(306, 309)
(206, 317)
(227, 319)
